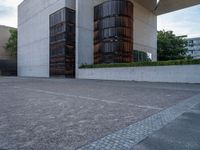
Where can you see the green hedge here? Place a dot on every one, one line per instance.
(139, 64)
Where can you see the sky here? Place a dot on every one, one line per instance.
(8, 12)
(182, 22)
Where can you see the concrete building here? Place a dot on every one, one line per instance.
(194, 47)
(8, 64)
(4, 36)
(57, 36)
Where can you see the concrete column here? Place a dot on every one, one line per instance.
(84, 32)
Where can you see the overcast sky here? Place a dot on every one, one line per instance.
(8, 12)
(183, 22)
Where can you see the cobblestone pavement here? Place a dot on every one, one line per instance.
(64, 114)
(127, 138)
(181, 134)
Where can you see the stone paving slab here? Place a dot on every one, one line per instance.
(126, 138)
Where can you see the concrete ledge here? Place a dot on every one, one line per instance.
(174, 74)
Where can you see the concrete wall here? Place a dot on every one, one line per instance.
(4, 36)
(84, 32)
(145, 30)
(180, 74)
(33, 38)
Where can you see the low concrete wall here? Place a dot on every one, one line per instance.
(180, 74)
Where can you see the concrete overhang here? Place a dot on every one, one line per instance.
(165, 6)
(149, 4)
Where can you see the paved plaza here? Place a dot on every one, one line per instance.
(67, 114)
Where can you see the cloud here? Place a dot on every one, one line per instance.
(11, 3)
(182, 22)
(8, 12)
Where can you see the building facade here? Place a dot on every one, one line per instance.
(194, 47)
(57, 36)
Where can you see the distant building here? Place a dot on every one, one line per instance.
(4, 36)
(194, 47)
(7, 63)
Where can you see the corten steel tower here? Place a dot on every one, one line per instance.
(62, 43)
(113, 32)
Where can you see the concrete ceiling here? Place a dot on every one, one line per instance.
(149, 4)
(166, 6)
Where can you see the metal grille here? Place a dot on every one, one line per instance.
(113, 32)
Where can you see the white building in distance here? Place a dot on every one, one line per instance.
(194, 47)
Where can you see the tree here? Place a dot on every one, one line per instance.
(170, 46)
(11, 45)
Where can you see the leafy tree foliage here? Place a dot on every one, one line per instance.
(11, 45)
(170, 46)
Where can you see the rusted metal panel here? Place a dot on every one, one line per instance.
(113, 32)
(62, 43)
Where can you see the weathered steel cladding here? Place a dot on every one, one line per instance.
(113, 32)
(62, 43)
(114, 8)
